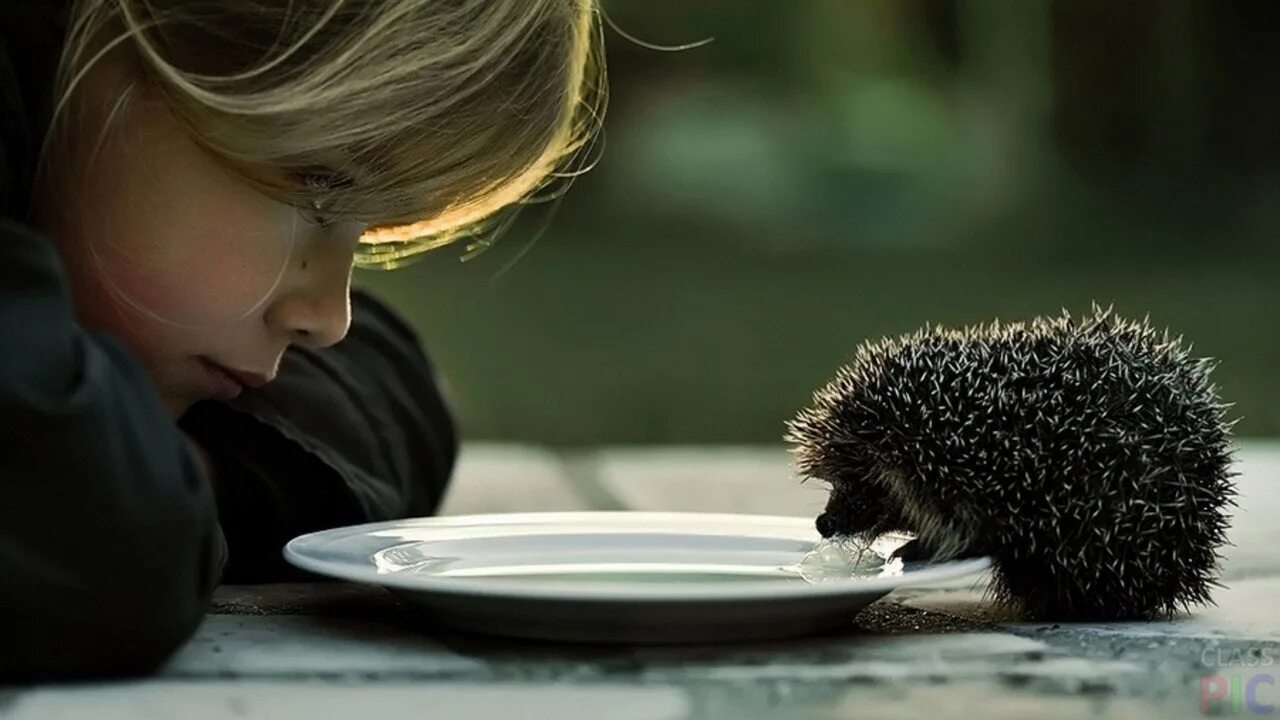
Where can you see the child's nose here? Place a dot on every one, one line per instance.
(316, 312)
(320, 327)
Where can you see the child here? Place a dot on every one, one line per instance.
(187, 379)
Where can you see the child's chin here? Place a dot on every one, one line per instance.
(177, 408)
(178, 405)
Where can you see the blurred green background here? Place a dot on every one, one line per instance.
(829, 171)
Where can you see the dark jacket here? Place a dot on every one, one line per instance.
(111, 540)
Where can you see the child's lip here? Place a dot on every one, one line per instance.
(227, 382)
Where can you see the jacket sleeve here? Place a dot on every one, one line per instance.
(356, 432)
(109, 543)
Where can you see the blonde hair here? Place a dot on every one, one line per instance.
(442, 112)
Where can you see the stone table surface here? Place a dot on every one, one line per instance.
(328, 649)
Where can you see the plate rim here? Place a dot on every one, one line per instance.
(745, 591)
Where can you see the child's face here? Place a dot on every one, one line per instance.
(187, 264)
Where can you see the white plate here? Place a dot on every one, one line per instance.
(612, 576)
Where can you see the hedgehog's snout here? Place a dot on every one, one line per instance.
(855, 509)
(828, 525)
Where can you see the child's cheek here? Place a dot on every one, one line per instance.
(179, 236)
(191, 262)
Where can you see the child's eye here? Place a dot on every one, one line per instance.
(323, 181)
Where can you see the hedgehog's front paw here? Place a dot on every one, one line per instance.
(912, 551)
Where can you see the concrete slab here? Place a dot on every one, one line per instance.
(1000, 700)
(298, 646)
(1255, 527)
(510, 478)
(718, 479)
(865, 659)
(1245, 609)
(315, 650)
(267, 700)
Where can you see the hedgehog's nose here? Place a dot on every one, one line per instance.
(827, 525)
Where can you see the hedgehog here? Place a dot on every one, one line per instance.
(1089, 457)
